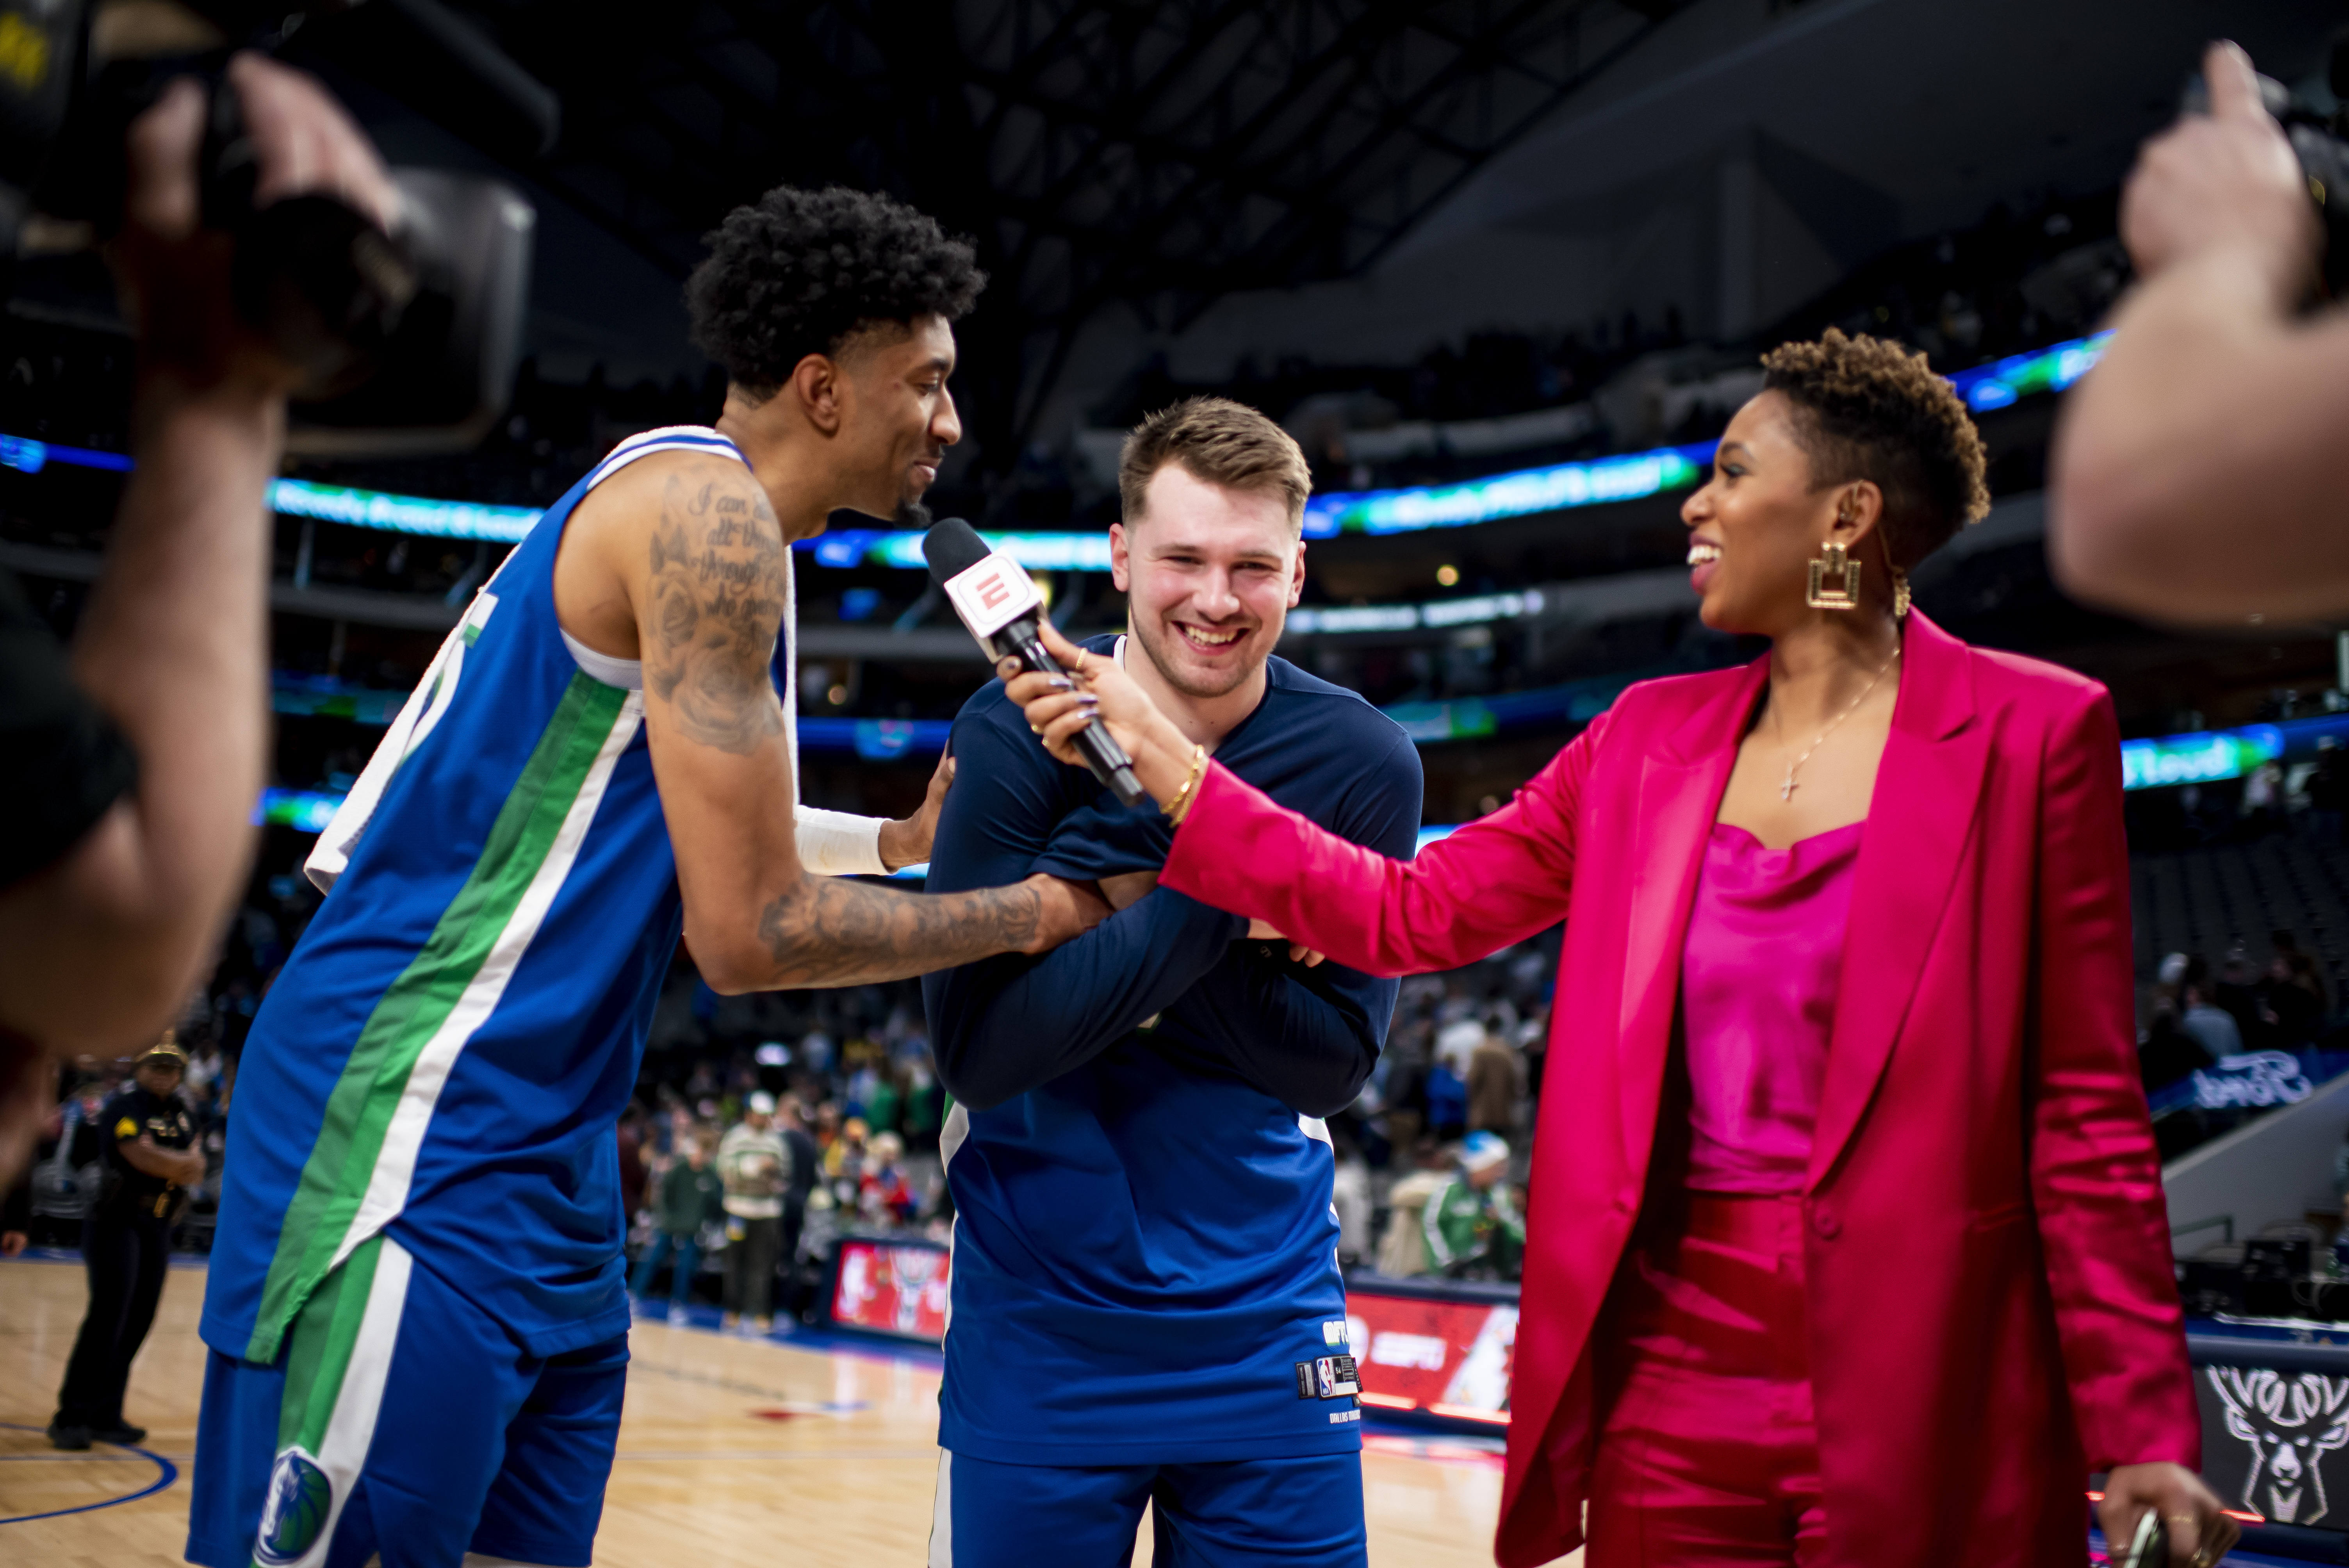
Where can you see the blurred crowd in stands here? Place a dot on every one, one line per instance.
(2200, 1017)
(2020, 280)
(837, 1091)
(2307, 799)
(831, 1103)
(767, 1126)
(849, 1135)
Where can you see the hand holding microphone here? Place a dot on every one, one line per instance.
(1082, 706)
(1004, 611)
(1101, 696)
(1082, 694)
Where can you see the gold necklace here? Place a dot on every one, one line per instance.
(1787, 789)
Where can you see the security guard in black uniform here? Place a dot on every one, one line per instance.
(147, 1140)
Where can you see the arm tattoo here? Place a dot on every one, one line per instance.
(716, 591)
(833, 932)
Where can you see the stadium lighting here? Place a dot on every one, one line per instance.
(1438, 613)
(401, 513)
(304, 811)
(2201, 758)
(1525, 492)
(2019, 376)
(1561, 486)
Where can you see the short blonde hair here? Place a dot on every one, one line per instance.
(1218, 442)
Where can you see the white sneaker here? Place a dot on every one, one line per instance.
(678, 1317)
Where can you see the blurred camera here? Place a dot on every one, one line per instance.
(2319, 138)
(407, 337)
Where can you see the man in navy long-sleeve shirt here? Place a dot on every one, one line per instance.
(1147, 1303)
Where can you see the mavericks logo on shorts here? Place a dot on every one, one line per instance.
(294, 1514)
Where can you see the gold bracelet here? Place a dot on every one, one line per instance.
(1181, 804)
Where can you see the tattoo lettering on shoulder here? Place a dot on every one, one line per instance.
(717, 588)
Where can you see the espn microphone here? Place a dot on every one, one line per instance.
(1003, 609)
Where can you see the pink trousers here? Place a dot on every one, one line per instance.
(1707, 1451)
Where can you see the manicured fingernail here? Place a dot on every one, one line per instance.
(1060, 683)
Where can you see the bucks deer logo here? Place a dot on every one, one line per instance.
(2291, 1423)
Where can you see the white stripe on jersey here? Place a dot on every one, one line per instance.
(951, 1137)
(350, 1430)
(667, 438)
(422, 710)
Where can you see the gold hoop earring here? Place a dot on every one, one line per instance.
(1899, 595)
(1833, 561)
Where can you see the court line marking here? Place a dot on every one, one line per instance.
(684, 1456)
(171, 1472)
(736, 1385)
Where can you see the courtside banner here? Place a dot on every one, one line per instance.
(1432, 1351)
(891, 1287)
(992, 594)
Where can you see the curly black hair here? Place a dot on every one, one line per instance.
(800, 271)
(1867, 409)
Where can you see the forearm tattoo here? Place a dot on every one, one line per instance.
(717, 604)
(836, 931)
(718, 597)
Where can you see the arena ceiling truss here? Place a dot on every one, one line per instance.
(1148, 154)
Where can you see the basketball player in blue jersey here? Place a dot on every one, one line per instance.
(416, 1310)
(1146, 1306)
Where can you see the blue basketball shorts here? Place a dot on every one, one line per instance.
(398, 1421)
(1304, 1512)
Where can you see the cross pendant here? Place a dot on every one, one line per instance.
(1787, 791)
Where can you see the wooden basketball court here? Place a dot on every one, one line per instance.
(733, 1454)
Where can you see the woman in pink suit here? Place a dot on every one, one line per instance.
(1848, 1247)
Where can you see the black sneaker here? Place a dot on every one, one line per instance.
(72, 1439)
(122, 1434)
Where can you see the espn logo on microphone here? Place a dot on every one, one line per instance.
(992, 594)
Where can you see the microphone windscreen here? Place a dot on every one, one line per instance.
(951, 547)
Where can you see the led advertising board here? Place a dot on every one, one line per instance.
(1447, 1358)
(892, 1288)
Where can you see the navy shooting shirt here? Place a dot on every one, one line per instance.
(1145, 1252)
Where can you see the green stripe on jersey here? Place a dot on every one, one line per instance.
(319, 1349)
(342, 1161)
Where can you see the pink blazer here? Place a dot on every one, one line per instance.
(1993, 1313)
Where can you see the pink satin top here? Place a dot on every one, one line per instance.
(1758, 981)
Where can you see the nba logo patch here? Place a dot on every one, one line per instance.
(1334, 1377)
(294, 1515)
(1327, 1377)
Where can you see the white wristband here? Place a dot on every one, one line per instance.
(837, 845)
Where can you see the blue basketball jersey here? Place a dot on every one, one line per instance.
(444, 1057)
(1145, 1258)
